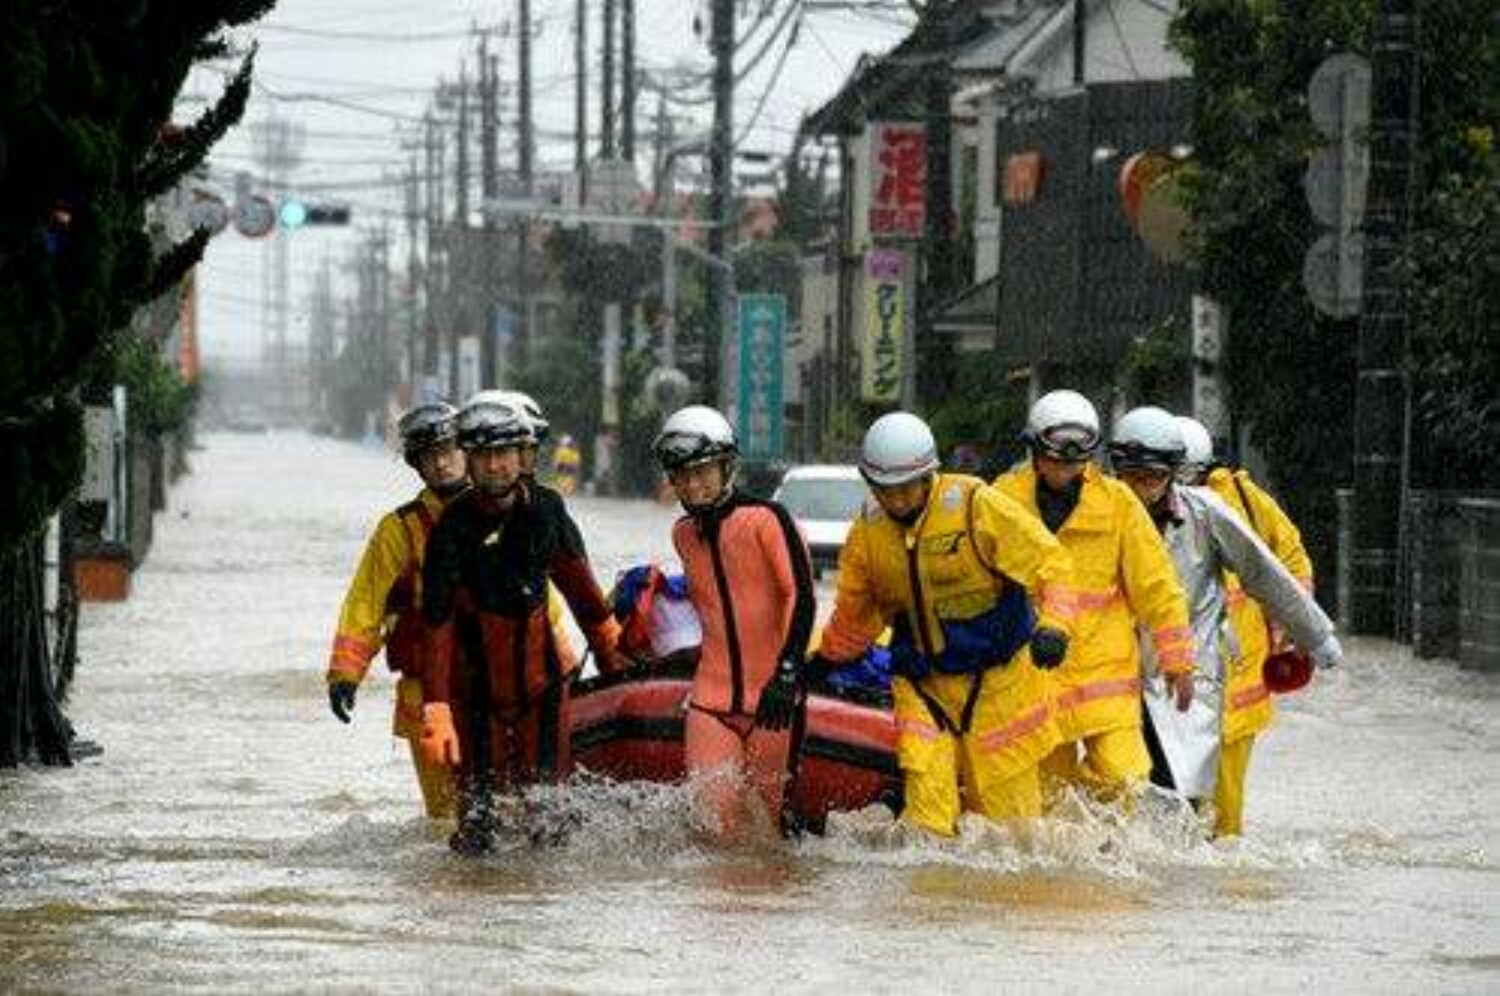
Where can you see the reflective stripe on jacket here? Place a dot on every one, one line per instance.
(1207, 540)
(384, 595)
(1247, 702)
(1123, 575)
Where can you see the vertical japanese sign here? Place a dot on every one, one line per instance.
(898, 188)
(883, 350)
(762, 329)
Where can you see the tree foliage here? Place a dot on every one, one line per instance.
(1291, 371)
(86, 140)
(86, 93)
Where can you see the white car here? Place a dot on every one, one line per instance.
(824, 499)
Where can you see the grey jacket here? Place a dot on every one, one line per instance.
(1210, 538)
(1207, 540)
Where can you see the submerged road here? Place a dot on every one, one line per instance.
(235, 837)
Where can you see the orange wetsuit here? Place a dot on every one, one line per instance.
(492, 654)
(750, 580)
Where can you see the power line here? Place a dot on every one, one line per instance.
(765, 94)
(380, 36)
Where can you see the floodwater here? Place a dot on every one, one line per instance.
(233, 836)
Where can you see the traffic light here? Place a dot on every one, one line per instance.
(295, 214)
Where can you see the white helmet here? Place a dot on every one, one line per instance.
(898, 448)
(1147, 438)
(1197, 445)
(529, 408)
(694, 435)
(1063, 425)
(425, 426)
(491, 420)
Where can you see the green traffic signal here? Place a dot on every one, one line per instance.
(293, 214)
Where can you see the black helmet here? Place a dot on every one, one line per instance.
(426, 426)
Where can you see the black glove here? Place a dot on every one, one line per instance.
(815, 669)
(1048, 647)
(778, 700)
(341, 698)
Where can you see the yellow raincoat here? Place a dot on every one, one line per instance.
(1123, 574)
(1247, 703)
(971, 708)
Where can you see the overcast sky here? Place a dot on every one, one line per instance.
(357, 74)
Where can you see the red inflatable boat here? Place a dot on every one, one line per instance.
(630, 728)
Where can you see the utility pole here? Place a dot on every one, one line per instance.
(717, 377)
(627, 80)
(524, 156)
(278, 153)
(1080, 48)
(459, 268)
(432, 219)
(461, 160)
(935, 277)
(581, 97)
(607, 85)
(1382, 396)
(489, 359)
(413, 278)
(383, 302)
(662, 173)
(320, 344)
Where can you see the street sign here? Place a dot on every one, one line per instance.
(883, 349)
(1338, 95)
(1208, 330)
(762, 331)
(1331, 273)
(1335, 184)
(1209, 405)
(254, 216)
(898, 172)
(612, 189)
(207, 212)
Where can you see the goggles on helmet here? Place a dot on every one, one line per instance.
(1069, 443)
(1135, 456)
(681, 450)
(496, 436)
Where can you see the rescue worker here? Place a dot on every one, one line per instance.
(497, 695)
(567, 463)
(750, 579)
(382, 604)
(1247, 701)
(949, 561)
(1123, 576)
(1205, 539)
(531, 413)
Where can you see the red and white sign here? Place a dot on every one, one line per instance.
(898, 186)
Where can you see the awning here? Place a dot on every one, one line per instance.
(972, 316)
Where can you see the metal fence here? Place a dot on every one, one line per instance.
(1449, 587)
